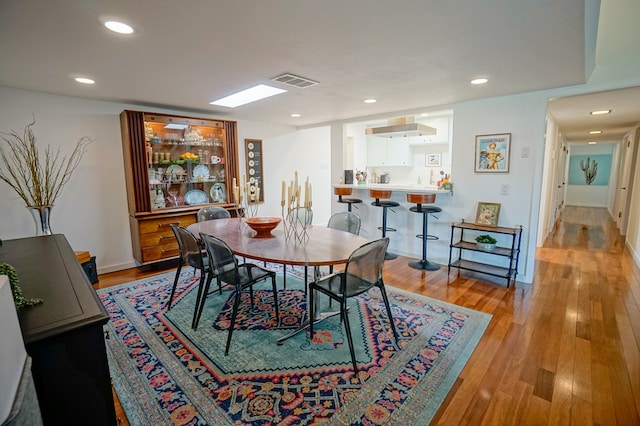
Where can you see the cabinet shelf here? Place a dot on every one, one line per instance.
(508, 272)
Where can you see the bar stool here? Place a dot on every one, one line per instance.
(421, 199)
(385, 204)
(340, 191)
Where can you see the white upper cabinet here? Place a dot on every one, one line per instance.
(442, 124)
(388, 152)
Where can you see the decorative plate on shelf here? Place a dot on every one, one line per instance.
(196, 196)
(217, 193)
(174, 169)
(201, 172)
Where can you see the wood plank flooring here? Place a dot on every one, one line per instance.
(564, 350)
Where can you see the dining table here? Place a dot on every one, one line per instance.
(321, 246)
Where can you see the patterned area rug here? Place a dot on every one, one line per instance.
(166, 373)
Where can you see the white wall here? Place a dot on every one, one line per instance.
(524, 117)
(92, 209)
(633, 227)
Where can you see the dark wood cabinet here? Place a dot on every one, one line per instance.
(174, 165)
(63, 335)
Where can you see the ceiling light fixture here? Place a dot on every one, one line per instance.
(592, 142)
(479, 81)
(595, 132)
(249, 95)
(600, 112)
(296, 115)
(119, 27)
(84, 80)
(370, 101)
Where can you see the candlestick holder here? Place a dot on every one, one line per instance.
(296, 213)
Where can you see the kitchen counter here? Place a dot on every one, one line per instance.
(426, 189)
(407, 224)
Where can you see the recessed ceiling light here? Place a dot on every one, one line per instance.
(119, 27)
(295, 115)
(600, 112)
(479, 81)
(595, 132)
(84, 80)
(249, 95)
(370, 101)
(592, 142)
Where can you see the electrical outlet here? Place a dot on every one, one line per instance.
(504, 189)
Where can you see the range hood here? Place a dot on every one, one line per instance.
(401, 127)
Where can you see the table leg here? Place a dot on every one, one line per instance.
(319, 316)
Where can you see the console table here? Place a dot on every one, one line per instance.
(63, 335)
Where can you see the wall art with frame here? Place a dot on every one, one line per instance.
(253, 157)
(487, 214)
(492, 153)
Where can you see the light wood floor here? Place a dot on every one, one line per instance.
(564, 350)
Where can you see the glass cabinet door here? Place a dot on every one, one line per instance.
(186, 160)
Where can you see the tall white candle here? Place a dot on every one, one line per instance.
(283, 193)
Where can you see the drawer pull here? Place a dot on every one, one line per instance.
(166, 238)
(166, 225)
(173, 251)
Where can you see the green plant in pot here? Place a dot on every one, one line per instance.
(486, 242)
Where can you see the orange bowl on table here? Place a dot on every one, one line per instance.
(263, 225)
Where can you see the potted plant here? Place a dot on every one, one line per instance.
(486, 242)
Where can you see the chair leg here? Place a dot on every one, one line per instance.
(312, 296)
(175, 284)
(234, 313)
(388, 307)
(200, 296)
(345, 316)
(275, 299)
(199, 308)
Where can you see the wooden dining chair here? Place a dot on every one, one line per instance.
(362, 272)
(224, 266)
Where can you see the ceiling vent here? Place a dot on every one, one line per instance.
(294, 80)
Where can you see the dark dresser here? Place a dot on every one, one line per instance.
(63, 335)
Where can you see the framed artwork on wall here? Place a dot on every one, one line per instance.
(492, 153)
(487, 214)
(253, 157)
(433, 160)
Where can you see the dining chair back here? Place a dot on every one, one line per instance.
(302, 214)
(190, 254)
(345, 221)
(212, 212)
(362, 272)
(224, 265)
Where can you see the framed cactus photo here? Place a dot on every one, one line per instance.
(589, 169)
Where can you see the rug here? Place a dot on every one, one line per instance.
(166, 373)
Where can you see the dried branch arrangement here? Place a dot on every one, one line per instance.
(37, 179)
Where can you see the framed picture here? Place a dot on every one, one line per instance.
(433, 160)
(492, 153)
(253, 157)
(487, 214)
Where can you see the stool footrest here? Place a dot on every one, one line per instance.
(429, 237)
(387, 229)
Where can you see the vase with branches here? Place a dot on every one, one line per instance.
(37, 177)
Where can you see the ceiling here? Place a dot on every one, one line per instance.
(408, 55)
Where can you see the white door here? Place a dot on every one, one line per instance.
(629, 147)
